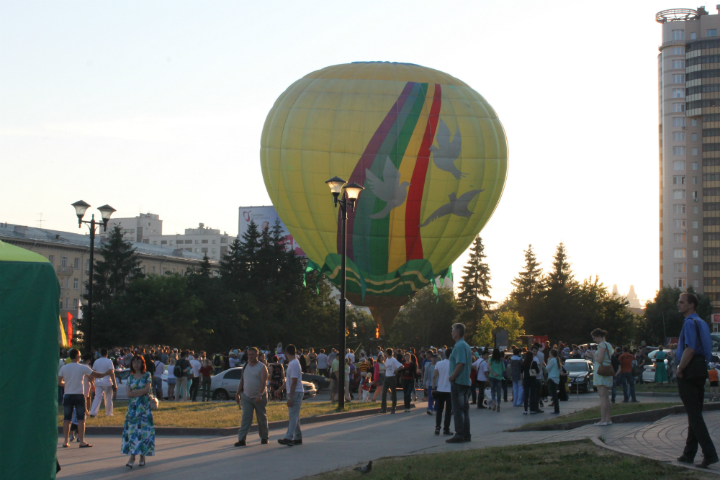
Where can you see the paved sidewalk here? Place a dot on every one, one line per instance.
(326, 446)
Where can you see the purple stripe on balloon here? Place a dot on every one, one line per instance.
(366, 161)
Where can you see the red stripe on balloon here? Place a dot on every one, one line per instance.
(413, 240)
(366, 161)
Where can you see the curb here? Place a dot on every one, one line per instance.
(647, 416)
(230, 431)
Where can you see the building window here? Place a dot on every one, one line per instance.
(679, 137)
(678, 78)
(63, 262)
(679, 238)
(678, 50)
(142, 269)
(196, 241)
(204, 241)
(76, 263)
(695, 239)
(678, 34)
(163, 242)
(679, 267)
(188, 242)
(695, 210)
(680, 282)
(678, 107)
(693, 122)
(679, 252)
(694, 254)
(204, 250)
(188, 249)
(678, 121)
(214, 242)
(76, 283)
(695, 196)
(679, 223)
(679, 165)
(694, 166)
(678, 93)
(678, 179)
(694, 136)
(679, 194)
(679, 208)
(696, 269)
(678, 64)
(224, 240)
(197, 250)
(153, 269)
(695, 224)
(711, 32)
(678, 150)
(51, 258)
(214, 251)
(694, 151)
(696, 283)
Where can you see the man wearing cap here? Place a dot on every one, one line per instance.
(234, 362)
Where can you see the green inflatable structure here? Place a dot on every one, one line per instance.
(29, 349)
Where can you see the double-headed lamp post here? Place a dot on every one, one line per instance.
(345, 194)
(105, 211)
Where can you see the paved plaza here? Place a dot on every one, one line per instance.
(342, 443)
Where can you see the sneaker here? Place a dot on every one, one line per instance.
(707, 462)
(437, 430)
(533, 413)
(285, 441)
(407, 410)
(455, 440)
(447, 433)
(241, 443)
(525, 412)
(264, 441)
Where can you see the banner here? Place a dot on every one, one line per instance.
(70, 328)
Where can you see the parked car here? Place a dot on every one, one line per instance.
(319, 381)
(580, 374)
(121, 376)
(648, 375)
(224, 385)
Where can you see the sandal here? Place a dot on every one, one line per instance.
(87, 445)
(142, 462)
(600, 424)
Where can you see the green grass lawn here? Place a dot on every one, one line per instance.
(212, 414)
(578, 459)
(658, 388)
(594, 412)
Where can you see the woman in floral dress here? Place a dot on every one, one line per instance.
(139, 432)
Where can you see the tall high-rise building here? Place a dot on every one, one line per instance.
(689, 129)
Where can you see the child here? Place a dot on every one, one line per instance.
(713, 377)
(366, 390)
(74, 427)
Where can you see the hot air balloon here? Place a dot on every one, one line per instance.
(429, 151)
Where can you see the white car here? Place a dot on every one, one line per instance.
(648, 375)
(224, 385)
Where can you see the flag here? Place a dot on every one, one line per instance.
(70, 328)
(62, 332)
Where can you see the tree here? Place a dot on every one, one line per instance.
(527, 284)
(484, 332)
(511, 321)
(426, 320)
(662, 319)
(474, 297)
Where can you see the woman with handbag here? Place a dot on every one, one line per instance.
(139, 432)
(604, 375)
(530, 371)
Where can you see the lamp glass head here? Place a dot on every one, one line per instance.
(80, 208)
(353, 190)
(106, 211)
(336, 184)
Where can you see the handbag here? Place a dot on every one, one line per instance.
(606, 370)
(697, 368)
(154, 402)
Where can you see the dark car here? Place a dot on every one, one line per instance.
(319, 381)
(580, 375)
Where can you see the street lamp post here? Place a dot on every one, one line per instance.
(350, 193)
(105, 211)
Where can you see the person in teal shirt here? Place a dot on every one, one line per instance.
(459, 368)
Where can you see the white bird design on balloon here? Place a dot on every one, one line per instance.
(446, 152)
(457, 206)
(389, 189)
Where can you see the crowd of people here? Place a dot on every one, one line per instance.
(452, 379)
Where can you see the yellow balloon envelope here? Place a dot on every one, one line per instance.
(429, 150)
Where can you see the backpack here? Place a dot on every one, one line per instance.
(217, 360)
(179, 371)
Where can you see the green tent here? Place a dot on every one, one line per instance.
(29, 329)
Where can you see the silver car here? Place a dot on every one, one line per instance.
(224, 385)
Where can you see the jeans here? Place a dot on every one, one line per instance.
(389, 384)
(432, 404)
(293, 431)
(461, 409)
(553, 387)
(157, 387)
(100, 392)
(481, 392)
(504, 384)
(249, 406)
(626, 379)
(206, 381)
(181, 388)
(442, 401)
(74, 401)
(495, 385)
(517, 393)
(614, 388)
(692, 394)
(530, 394)
(408, 387)
(194, 386)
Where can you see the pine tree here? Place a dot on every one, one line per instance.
(527, 284)
(118, 266)
(232, 268)
(561, 276)
(475, 284)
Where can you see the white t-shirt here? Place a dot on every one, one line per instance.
(294, 371)
(538, 359)
(482, 368)
(351, 356)
(171, 371)
(159, 368)
(103, 365)
(391, 365)
(443, 381)
(73, 374)
(322, 361)
(195, 364)
(234, 362)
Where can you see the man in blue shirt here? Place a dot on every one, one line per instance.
(694, 351)
(459, 368)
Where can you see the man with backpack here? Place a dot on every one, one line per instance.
(181, 375)
(218, 363)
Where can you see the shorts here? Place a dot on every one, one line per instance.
(76, 402)
(334, 385)
(172, 380)
(713, 384)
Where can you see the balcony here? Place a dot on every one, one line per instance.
(64, 271)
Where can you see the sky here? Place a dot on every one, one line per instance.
(159, 106)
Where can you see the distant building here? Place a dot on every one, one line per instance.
(201, 241)
(632, 298)
(70, 254)
(137, 229)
